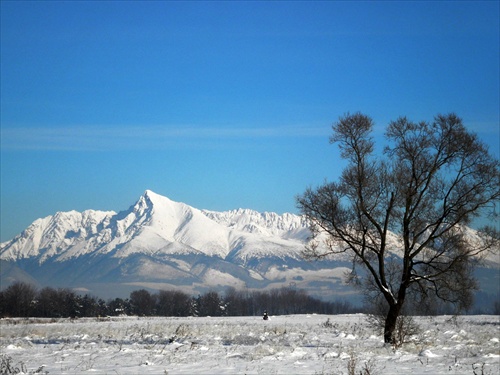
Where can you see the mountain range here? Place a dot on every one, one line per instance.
(161, 244)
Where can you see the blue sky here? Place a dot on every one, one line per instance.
(221, 105)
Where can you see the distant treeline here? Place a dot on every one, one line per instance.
(24, 300)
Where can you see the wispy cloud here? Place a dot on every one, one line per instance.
(103, 138)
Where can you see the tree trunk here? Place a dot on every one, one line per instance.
(390, 323)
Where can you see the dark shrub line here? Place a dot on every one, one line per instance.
(24, 300)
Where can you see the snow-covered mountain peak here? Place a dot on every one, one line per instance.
(146, 202)
(268, 224)
(157, 224)
(162, 212)
(150, 210)
(151, 202)
(53, 235)
(156, 199)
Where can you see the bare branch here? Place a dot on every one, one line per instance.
(435, 178)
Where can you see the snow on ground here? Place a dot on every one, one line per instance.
(295, 344)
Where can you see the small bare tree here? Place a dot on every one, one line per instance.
(403, 215)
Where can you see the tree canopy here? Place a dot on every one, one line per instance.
(403, 215)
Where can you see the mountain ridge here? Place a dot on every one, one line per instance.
(158, 220)
(158, 241)
(162, 244)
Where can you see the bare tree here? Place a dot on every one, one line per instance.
(403, 215)
(172, 303)
(142, 302)
(210, 304)
(18, 299)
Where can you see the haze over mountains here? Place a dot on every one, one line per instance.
(161, 244)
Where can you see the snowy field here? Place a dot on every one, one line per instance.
(296, 344)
